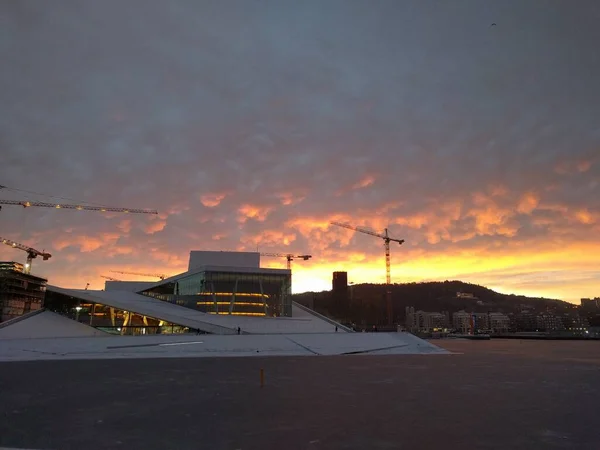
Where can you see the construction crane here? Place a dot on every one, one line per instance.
(288, 256)
(109, 278)
(388, 276)
(32, 253)
(386, 241)
(153, 275)
(27, 204)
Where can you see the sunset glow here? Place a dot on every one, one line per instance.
(254, 132)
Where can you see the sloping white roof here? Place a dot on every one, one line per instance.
(147, 306)
(300, 322)
(186, 346)
(47, 324)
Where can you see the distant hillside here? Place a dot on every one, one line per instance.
(366, 302)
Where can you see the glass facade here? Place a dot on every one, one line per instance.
(109, 319)
(235, 293)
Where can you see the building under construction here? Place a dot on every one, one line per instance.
(20, 292)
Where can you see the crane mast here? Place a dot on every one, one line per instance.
(32, 253)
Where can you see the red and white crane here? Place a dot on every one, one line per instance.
(288, 256)
(32, 253)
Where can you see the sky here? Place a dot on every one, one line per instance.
(252, 124)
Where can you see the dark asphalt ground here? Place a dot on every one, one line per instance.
(496, 395)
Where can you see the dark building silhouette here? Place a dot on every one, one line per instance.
(339, 292)
(340, 282)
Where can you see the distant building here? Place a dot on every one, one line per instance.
(20, 293)
(465, 295)
(434, 321)
(574, 323)
(590, 304)
(339, 292)
(498, 322)
(480, 321)
(425, 321)
(461, 321)
(339, 283)
(549, 323)
(524, 321)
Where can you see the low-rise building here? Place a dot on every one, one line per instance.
(498, 322)
(425, 321)
(480, 322)
(523, 321)
(434, 321)
(549, 323)
(461, 322)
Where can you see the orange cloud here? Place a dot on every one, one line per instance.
(86, 243)
(287, 198)
(211, 200)
(364, 182)
(248, 211)
(125, 225)
(118, 250)
(155, 226)
(585, 217)
(269, 238)
(528, 203)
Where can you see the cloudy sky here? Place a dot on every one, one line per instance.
(254, 123)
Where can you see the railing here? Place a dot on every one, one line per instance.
(22, 317)
(322, 317)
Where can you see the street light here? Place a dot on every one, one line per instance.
(77, 308)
